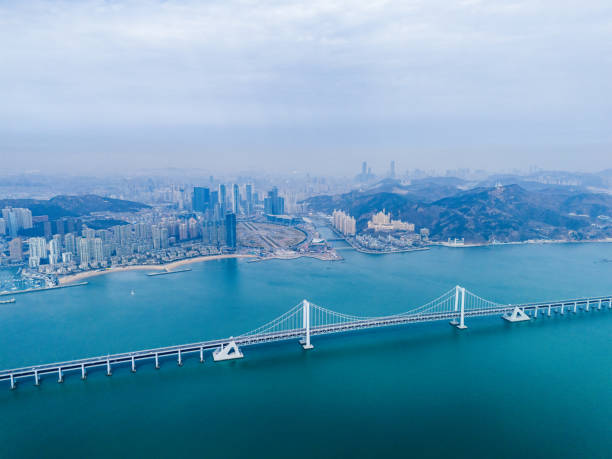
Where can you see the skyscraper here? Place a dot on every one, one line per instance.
(249, 199)
(392, 169)
(236, 198)
(230, 230)
(222, 196)
(273, 203)
(200, 199)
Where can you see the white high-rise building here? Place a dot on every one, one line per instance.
(344, 223)
(54, 251)
(38, 250)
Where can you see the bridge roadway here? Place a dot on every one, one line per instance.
(60, 368)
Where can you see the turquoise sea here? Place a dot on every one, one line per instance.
(536, 389)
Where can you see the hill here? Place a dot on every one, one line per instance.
(502, 213)
(73, 206)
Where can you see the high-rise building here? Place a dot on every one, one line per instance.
(16, 249)
(249, 198)
(55, 248)
(344, 223)
(222, 196)
(230, 230)
(97, 255)
(200, 199)
(16, 219)
(83, 251)
(183, 231)
(235, 198)
(273, 203)
(2, 227)
(392, 169)
(38, 247)
(70, 243)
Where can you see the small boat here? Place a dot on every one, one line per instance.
(10, 300)
(132, 292)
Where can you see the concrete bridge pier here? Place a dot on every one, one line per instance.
(60, 375)
(36, 380)
(535, 313)
(549, 310)
(575, 307)
(108, 368)
(13, 385)
(133, 365)
(83, 372)
(156, 361)
(180, 359)
(562, 309)
(599, 305)
(201, 355)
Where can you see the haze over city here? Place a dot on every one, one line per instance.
(112, 86)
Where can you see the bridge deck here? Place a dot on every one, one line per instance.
(296, 333)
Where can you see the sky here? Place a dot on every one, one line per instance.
(317, 85)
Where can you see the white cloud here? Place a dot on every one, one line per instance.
(68, 65)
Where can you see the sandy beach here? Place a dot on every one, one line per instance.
(70, 278)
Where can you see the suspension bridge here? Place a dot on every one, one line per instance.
(306, 320)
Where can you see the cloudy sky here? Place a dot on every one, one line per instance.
(315, 85)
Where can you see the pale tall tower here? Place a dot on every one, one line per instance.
(392, 169)
(236, 198)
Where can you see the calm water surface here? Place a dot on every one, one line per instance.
(536, 389)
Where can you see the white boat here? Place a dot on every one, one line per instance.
(10, 300)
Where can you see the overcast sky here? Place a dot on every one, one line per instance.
(315, 85)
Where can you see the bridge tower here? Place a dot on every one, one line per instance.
(461, 320)
(457, 290)
(306, 318)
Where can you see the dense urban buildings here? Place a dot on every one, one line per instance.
(344, 223)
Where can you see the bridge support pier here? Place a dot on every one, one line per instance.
(108, 368)
(201, 355)
(60, 375)
(517, 315)
(13, 385)
(535, 314)
(549, 310)
(156, 361)
(180, 359)
(228, 352)
(575, 307)
(562, 309)
(133, 365)
(609, 303)
(36, 380)
(83, 372)
(599, 305)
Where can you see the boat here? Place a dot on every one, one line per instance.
(132, 292)
(10, 300)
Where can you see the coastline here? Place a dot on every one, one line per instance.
(531, 241)
(77, 277)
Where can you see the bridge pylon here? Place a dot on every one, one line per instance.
(306, 319)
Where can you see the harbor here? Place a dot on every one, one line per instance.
(42, 289)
